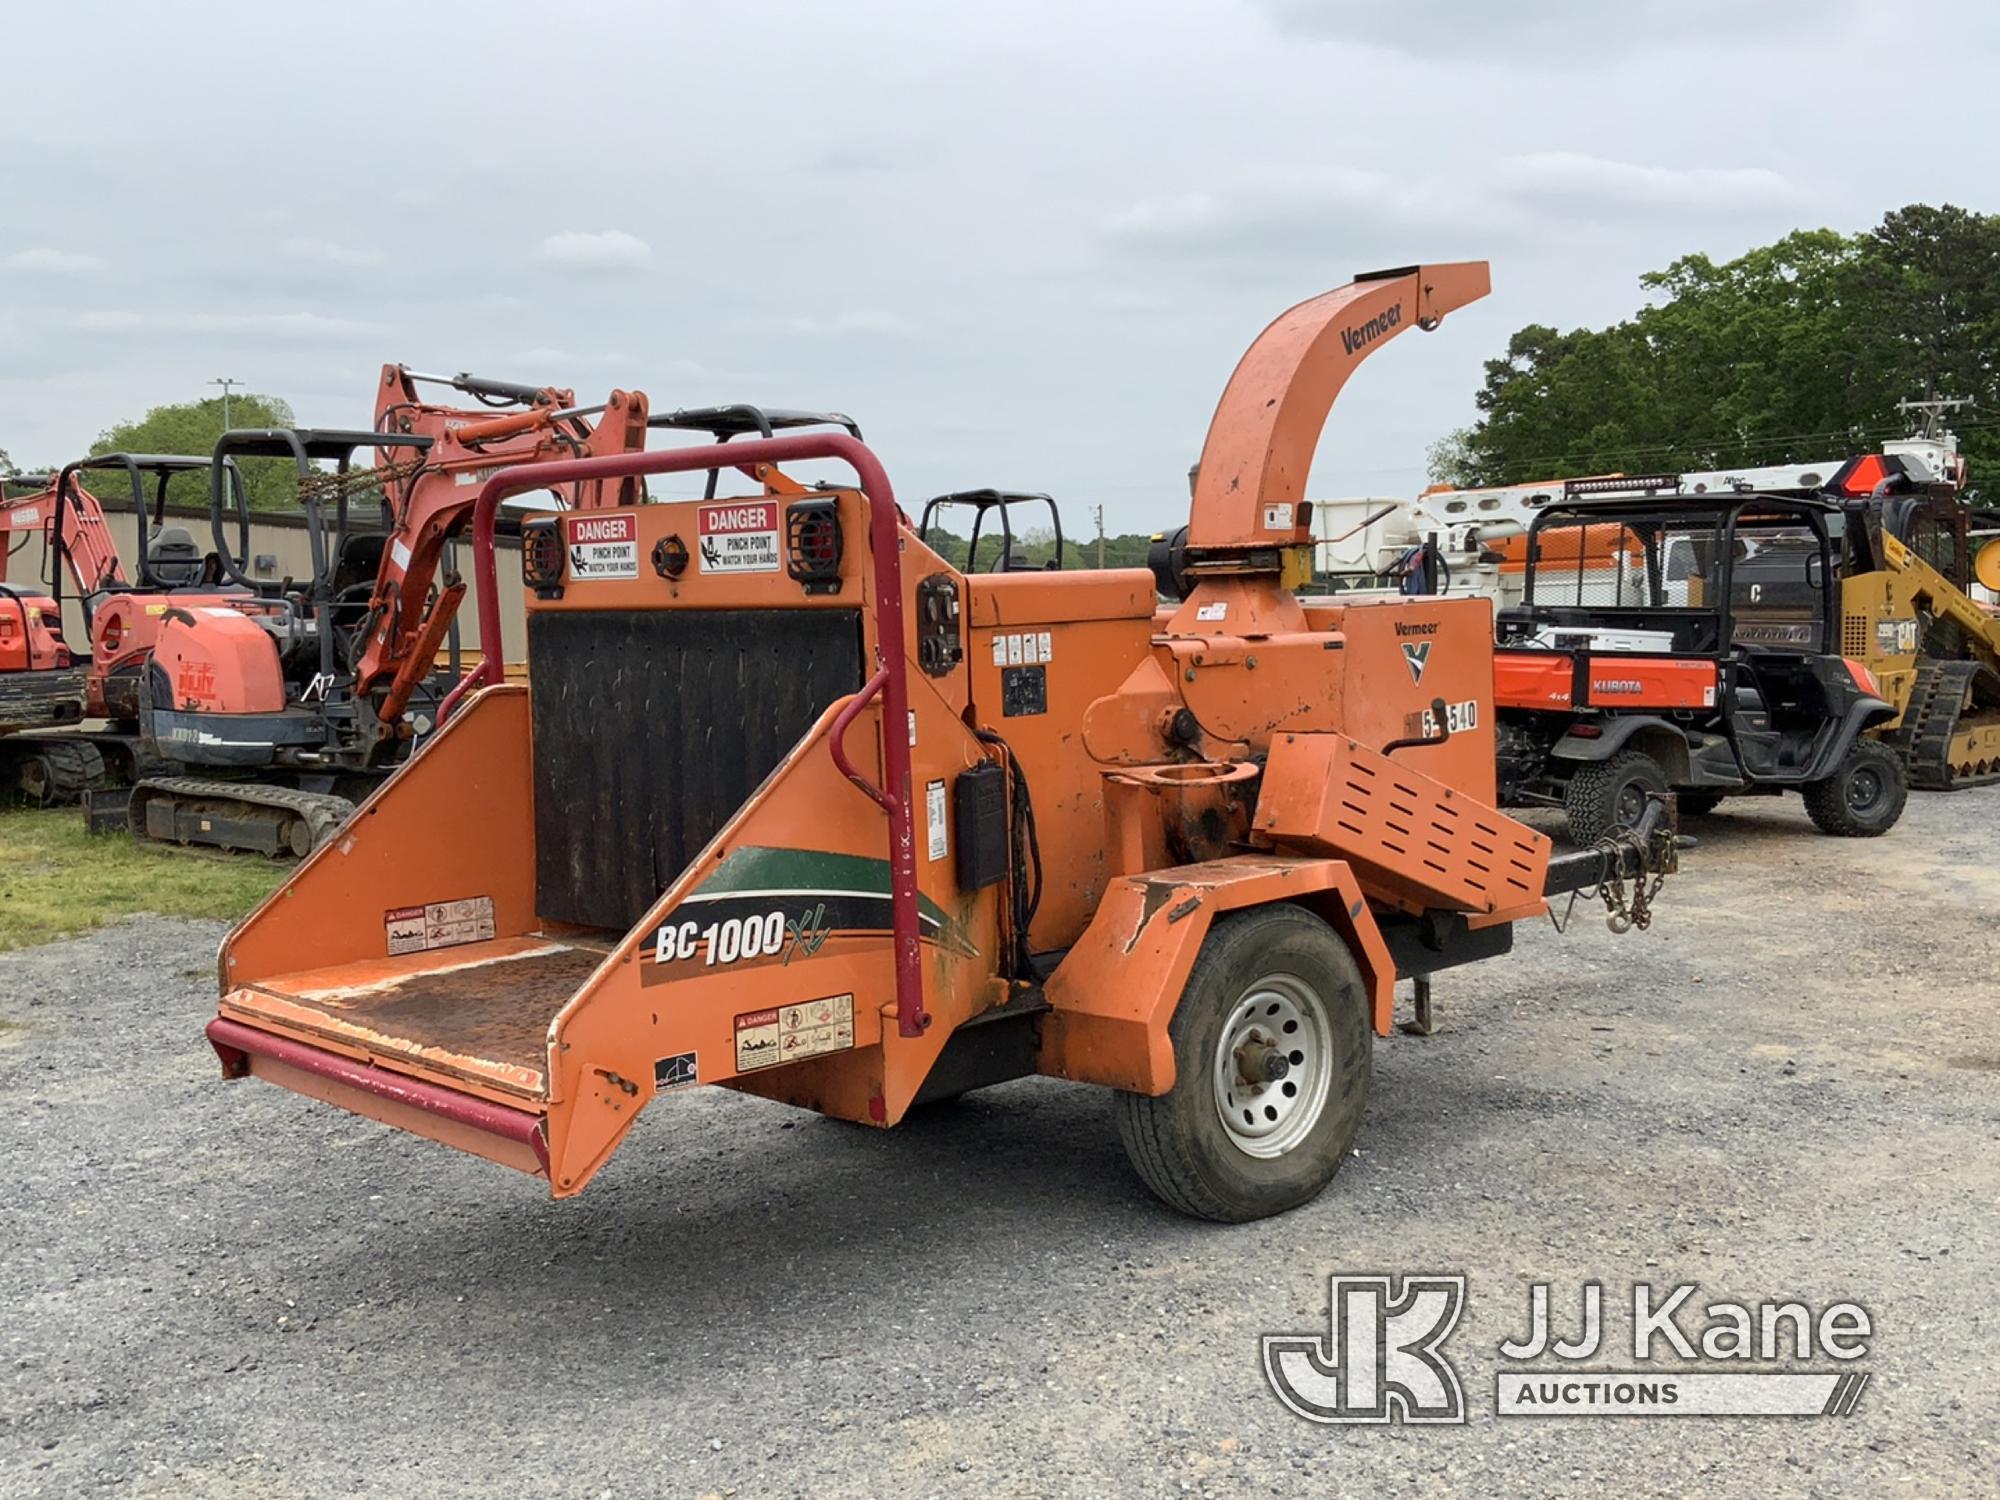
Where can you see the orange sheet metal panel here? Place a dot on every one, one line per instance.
(1533, 679)
(1115, 994)
(1547, 680)
(1409, 837)
(1650, 682)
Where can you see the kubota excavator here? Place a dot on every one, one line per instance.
(762, 817)
(48, 689)
(277, 721)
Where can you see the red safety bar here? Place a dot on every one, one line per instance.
(236, 1044)
(888, 682)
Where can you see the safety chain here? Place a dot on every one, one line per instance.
(1655, 863)
(331, 486)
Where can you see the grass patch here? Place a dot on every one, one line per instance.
(56, 880)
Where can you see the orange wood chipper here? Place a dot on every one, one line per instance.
(790, 805)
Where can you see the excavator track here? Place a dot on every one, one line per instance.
(246, 815)
(1943, 695)
(49, 771)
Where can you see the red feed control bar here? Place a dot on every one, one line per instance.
(236, 1044)
(888, 682)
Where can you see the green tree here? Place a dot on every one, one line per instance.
(1796, 349)
(1038, 543)
(192, 427)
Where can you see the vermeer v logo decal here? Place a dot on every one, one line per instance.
(1417, 654)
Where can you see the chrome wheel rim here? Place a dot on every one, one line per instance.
(1273, 1066)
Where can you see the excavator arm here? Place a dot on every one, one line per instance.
(1937, 596)
(84, 538)
(525, 425)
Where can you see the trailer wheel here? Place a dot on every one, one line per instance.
(1271, 1067)
(1863, 797)
(1607, 795)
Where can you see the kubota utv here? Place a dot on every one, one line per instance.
(1688, 643)
(790, 805)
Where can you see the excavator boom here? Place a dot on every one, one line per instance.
(433, 497)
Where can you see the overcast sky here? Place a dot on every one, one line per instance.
(1023, 243)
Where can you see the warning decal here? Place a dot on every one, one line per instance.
(603, 546)
(939, 841)
(442, 924)
(789, 1033)
(681, 1071)
(739, 538)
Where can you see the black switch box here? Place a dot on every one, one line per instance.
(979, 814)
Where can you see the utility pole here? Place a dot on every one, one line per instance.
(1934, 410)
(226, 383)
(1099, 513)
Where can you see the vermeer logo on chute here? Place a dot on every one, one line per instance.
(1364, 334)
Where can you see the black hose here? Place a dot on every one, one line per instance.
(1024, 867)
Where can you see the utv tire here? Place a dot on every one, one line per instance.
(1274, 997)
(1610, 794)
(1863, 797)
(1699, 804)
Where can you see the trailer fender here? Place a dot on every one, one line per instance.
(1656, 737)
(1115, 993)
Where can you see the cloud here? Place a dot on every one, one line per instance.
(1571, 181)
(1542, 32)
(45, 260)
(1276, 211)
(283, 327)
(860, 322)
(1280, 213)
(327, 253)
(608, 251)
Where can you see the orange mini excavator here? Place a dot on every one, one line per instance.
(280, 717)
(790, 805)
(48, 689)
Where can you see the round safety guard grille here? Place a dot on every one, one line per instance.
(813, 543)
(541, 555)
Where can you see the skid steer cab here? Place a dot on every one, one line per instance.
(792, 806)
(1691, 644)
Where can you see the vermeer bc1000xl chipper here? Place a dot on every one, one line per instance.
(791, 805)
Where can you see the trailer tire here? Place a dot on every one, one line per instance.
(1218, 1147)
(1864, 796)
(1604, 796)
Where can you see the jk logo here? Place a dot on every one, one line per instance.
(1379, 1360)
(1417, 654)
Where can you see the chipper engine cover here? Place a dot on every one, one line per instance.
(792, 806)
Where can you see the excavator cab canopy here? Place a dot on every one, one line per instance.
(306, 447)
(982, 503)
(740, 419)
(166, 557)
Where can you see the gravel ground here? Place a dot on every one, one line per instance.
(1789, 1087)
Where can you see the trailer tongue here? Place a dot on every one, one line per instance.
(792, 806)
